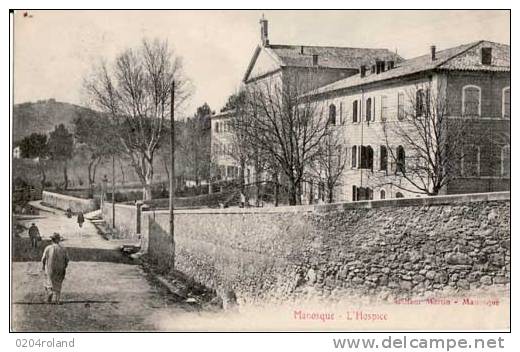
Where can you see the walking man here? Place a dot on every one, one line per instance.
(54, 263)
(81, 219)
(34, 235)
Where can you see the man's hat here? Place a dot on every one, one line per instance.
(56, 236)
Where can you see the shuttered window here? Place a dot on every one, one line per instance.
(471, 101)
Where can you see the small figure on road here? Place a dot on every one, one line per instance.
(54, 263)
(34, 235)
(69, 213)
(242, 200)
(81, 219)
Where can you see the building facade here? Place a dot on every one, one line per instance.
(471, 83)
(370, 92)
(225, 164)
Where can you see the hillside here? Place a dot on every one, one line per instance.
(43, 115)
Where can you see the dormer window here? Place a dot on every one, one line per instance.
(486, 56)
(380, 66)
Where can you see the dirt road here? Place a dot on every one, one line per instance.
(103, 290)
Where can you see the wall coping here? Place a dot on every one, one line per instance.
(418, 201)
(367, 204)
(65, 196)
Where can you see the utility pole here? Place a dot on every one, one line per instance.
(172, 173)
(113, 191)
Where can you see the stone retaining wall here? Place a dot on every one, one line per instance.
(395, 247)
(126, 219)
(65, 202)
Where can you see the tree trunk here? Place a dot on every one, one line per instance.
(43, 175)
(65, 176)
(242, 176)
(147, 191)
(331, 194)
(293, 192)
(122, 172)
(90, 179)
(257, 186)
(276, 190)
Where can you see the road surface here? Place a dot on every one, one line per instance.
(103, 290)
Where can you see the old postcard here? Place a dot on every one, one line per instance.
(339, 170)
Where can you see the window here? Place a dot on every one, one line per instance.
(354, 156)
(506, 161)
(401, 160)
(332, 114)
(364, 193)
(399, 195)
(400, 106)
(471, 101)
(354, 193)
(383, 158)
(384, 108)
(486, 56)
(367, 157)
(470, 161)
(216, 127)
(382, 194)
(506, 103)
(422, 102)
(355, 111)
(368, 112)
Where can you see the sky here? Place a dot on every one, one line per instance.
(55, 50)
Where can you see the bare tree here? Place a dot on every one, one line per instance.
(135, 91)
(96, 138)
(329, 162)
(196, 143)
(425, 145)
(286, 124)
(237, 146)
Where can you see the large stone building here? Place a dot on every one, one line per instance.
(368, 89)
(279, 64)
(471, 82)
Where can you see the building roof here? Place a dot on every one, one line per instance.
(448, 59)
(223, 114)
(330, 56)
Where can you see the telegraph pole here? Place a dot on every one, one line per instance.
(172, 172)
(113, 191)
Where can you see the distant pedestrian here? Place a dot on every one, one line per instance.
(242, 200)
(34, 235)
(81, 219)
(54, 263)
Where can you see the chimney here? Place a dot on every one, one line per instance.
(362, 71)
(433, 51)
(264, 36)
(315, 59)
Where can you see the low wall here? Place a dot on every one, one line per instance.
(65, 202)
(391, 247)
(126, 219)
